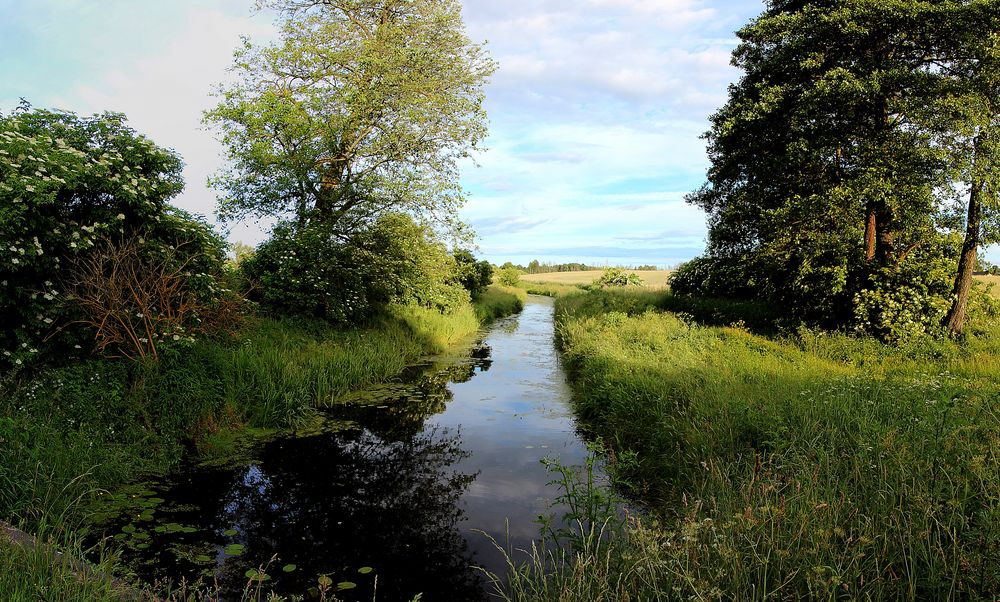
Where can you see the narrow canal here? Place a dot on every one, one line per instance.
(396, 494)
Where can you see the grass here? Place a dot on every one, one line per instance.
(792, 467)
(654, 279)
(498, 301)
(43, 574)
(548, 289)
(70, 432)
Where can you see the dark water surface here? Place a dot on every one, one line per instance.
(395, 503)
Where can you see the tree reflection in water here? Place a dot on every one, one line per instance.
(383, 495)
(359, 501)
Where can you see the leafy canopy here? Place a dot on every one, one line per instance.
(361, 107)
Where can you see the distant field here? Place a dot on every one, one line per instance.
(994, 280)
(654, 279)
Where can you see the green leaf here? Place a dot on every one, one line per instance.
(234, 549)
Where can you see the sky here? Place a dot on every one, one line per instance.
(595, 113)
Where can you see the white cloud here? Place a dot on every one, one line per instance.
(163, 93)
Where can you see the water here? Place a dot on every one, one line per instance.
(427, 469)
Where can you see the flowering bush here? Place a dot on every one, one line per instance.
(67, 182)
(904, 302)
(617, 277)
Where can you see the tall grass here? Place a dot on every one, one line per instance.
(45, 573)
(802, 467)
(499, 301)
(70, 432)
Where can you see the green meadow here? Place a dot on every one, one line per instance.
(806, 465)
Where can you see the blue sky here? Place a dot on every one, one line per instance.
(595, 114)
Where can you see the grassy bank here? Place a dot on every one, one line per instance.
(813, 466)
(548, 289)
(69, 432)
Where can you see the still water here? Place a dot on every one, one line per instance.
(397, 493)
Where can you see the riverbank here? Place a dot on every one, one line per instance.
(806, 466)
(98, 424)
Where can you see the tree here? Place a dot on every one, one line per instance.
(971, 132)
(474, 275)
(822, 192)
(362, 107)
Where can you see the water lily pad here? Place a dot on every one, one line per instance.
(128, 529)
(288, 568)
(202, 558)
(346, 585)
(234, 549)
(365, 570)
(230, 532)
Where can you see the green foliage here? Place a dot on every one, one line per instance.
(68, 183)
(474, 275)
(360, 108)
(497, 302)
(904, 303)
(508, 275)
(311, 272)
(836, 153)
(617, 278)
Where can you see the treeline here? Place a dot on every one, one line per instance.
(854, 169)
(536, 267)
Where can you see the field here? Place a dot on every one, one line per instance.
(657, 279)
(994, 280)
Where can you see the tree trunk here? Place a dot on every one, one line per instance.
(955, 320)
(870, 234)
(885, 250)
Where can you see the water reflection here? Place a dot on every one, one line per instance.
(400, 491)
(329, 504)
(336, 503)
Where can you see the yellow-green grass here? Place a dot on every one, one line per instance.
(548, 289)
(811, 467)
(991, 280)
(655, 279)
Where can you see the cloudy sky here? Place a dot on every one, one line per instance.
(595, 113)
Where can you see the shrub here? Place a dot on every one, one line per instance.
(474, 275)
(617, 277)
(67, 183)
(508, 276)
(309, 271)
(135, 297)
